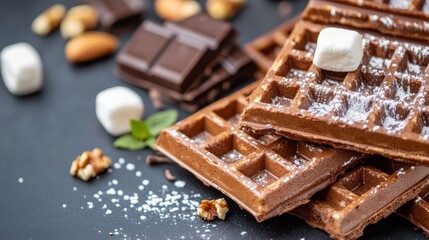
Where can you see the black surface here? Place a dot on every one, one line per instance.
(41, 134)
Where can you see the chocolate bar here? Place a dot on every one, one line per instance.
(266, 175)
(264, 49)
(382, 107)
(176, 55)
(388, 17)
(417, 211)
(363, 196)
(116, 13)
(234, 69)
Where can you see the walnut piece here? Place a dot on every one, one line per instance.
(210, 209)
(90, 164)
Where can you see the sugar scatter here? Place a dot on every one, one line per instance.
(136, 204)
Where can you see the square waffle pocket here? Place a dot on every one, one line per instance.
(264, 49)
(381, 108)
(266, 175)
(364, 195)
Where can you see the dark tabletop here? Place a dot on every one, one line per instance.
(42, 133)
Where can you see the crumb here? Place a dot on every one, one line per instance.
(156, 159)
(169, 176)
(180, 184)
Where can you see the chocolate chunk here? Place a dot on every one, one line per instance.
(176, 55)
(234, 69)
(118, 13)
(157, 159)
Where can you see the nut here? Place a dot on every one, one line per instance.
(78, 20)
(48, 20)
(90, 46)
(90, 164)
(169, 176)
(224, 9)
(175, 10)
(210, 209)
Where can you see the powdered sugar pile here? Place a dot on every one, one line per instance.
(169, 205)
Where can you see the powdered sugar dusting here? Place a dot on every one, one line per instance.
(425, 130)
(358, 109)
(404, 91)
(295, 73)
(263, 178)
(320, 108)
(380, 63)
(168, 206)
(331, 82)
(392, 119)
(202, 137)
(402, 4)
(231, 156)
(426, 7)
(281, 101)
(310, 47)
(414, 68)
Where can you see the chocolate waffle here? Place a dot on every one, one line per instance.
(417, 211)
(382, 107)
(264, 49)
(266, 175)
(402, 18)
(413, 8)
(363, 196)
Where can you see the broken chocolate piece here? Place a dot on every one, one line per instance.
(118, 13)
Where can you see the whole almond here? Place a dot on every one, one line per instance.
(90, 46)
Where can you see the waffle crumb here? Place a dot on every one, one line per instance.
(90, 164)
(210, 209)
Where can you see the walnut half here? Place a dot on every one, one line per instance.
(90, 164)
(210, 209)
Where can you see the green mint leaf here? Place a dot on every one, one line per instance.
(151, 143)
(139, 129)
(161, 120)
(129, 142)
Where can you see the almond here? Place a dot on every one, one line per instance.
(90, 46)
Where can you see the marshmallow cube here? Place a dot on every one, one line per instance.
(115, 107)
(338, 50)
(21, 69)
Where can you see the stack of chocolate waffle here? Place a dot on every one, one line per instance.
(271, 161)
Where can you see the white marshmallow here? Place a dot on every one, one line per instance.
(21, 68)
(115, 107)
(338, 50)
